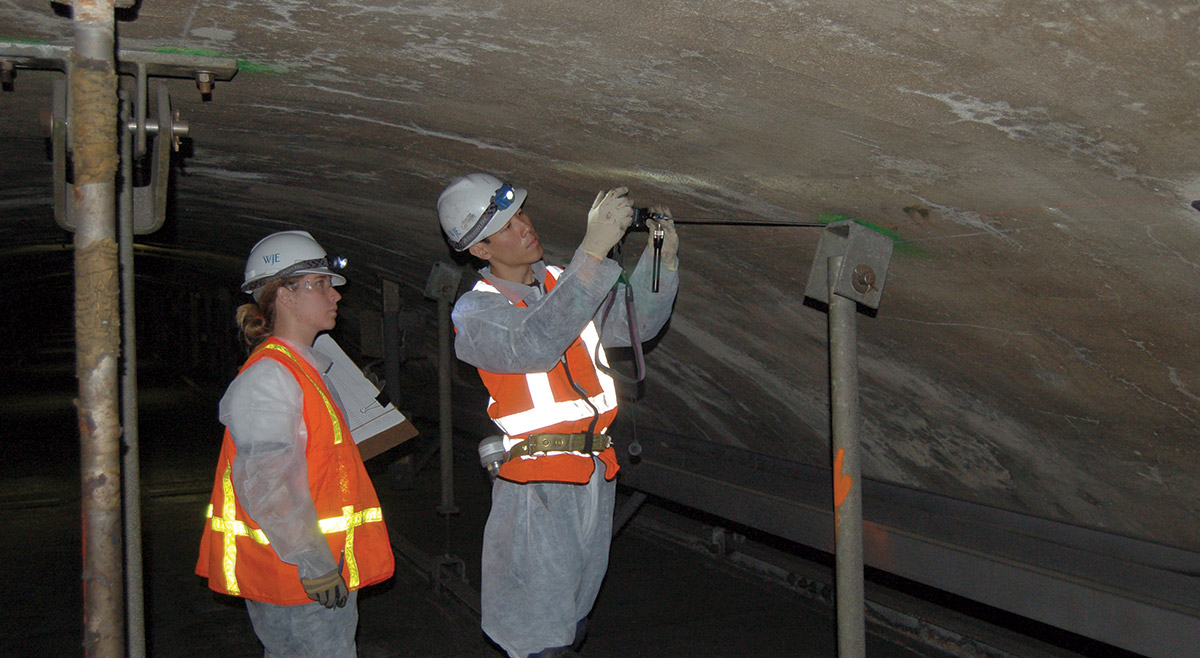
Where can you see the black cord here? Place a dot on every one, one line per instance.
(639, 362)
(591, 431)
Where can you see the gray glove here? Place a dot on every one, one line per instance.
(670, 246)
(328, 590)
(611, 214)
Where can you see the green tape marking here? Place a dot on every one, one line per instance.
(898, 243)
(243, 65)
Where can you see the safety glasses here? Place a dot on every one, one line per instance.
(322, 285)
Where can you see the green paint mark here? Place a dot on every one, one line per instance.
(242, 64)
(198, 52)
(30, 42)
(898, 243)
(255, 67)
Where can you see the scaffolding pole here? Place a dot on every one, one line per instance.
(93, 139)
(847, 480)
(848, 270)
(135, 614)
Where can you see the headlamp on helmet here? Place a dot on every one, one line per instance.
(286, 254)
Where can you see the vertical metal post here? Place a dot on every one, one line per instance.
(134, 601)
(847, 482)
(391, 340)
(445, 415)
(93, 122)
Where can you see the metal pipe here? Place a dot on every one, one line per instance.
(847, 479)
(445, 417)
(142, 94)
(391, 340)
(135, 620)
(93, 117)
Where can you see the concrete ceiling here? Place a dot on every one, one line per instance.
(1033, 161)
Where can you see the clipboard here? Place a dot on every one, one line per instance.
(376, 427)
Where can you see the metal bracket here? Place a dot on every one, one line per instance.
(866, 256)
(447, 570)
(206, 71)
(149, 201)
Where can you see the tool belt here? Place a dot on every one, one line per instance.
(540, 444)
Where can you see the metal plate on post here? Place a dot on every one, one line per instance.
(443, 281)
(866, 256)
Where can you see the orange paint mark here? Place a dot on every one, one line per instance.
(841, 482)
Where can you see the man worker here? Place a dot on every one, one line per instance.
(537, 335)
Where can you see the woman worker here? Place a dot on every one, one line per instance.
(294, 526)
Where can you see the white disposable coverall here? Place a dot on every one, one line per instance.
(263, 410)
(545, 546)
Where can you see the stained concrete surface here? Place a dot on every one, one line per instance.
(1034, 162)
(660, 599)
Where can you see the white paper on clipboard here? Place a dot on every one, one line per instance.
(366, 416)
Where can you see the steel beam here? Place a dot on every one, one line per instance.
(157, 65)
(1126, 592)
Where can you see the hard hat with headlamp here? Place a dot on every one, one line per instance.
(475, 206)
(287, 254)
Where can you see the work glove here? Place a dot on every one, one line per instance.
(328, 590)
(610, 216)
(669, 256)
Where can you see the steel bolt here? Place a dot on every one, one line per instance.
(204, 82)
(864, 279)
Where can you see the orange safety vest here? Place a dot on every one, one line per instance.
(235, 554)
(545, 403)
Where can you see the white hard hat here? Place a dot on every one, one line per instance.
(475, 206)
(284, 254)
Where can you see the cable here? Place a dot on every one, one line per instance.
(639, 360)
(591, 430)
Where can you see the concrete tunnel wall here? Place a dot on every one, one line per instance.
(1034, 166)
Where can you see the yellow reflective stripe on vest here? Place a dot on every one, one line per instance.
(229, 539)
(347, 522)
(230, 529)
(333, 417)
(237, 528)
